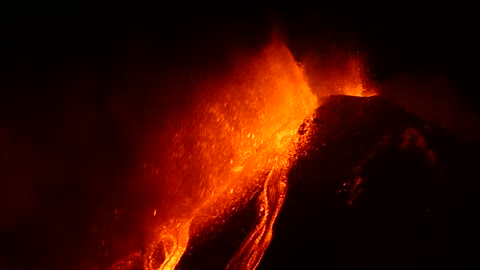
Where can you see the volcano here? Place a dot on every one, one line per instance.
(175, 141)
(375, 187)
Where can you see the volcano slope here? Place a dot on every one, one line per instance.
(374, 187)
(377, 188)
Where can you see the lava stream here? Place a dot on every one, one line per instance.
(251, 252)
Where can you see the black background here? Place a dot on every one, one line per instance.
(80, 93)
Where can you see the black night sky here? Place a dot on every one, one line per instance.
(78, 91)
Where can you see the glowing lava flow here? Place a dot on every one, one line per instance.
(240, 130)
(239, 140)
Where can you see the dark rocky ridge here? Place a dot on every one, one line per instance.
(377, 188)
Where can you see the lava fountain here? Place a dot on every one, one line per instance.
(238, 142)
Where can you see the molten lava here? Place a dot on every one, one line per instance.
(239, 140)
(239, 129)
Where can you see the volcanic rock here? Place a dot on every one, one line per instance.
(376, 188)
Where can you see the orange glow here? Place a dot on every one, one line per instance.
(240, 138)
(353, 82)
(241, 129)
(338, 73)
